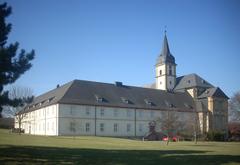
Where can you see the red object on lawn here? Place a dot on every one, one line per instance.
(165, 138)
(174, 139)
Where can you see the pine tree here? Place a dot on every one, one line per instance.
(12, 63)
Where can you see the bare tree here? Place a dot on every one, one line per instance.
(18, 92)
(23, 93)
(169, 123)
(19, 117)
(234, 108)
(189, 127)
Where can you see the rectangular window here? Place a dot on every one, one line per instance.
(73, 126)
(72, 107)
(102, 112)
(140, 113)
(52, 126)
(101, 127)
(128, 127)
(115, 127)
(47, 125)
(152, 114)
(128, 113)
(87, 127)
(115, 113)
(87, 110)
(140, 127)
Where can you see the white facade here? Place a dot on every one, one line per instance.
(67, 119)
(165, 76)
(42, 121)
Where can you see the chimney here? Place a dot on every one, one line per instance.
(118, 84)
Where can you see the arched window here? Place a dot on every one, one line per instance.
(160, 72)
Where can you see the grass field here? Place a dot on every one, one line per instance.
(26, 149)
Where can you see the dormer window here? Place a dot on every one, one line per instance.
(169, 105)
(189, 81)
(125, 100)
(99, 98)
(42, 102)
(50, 99)
(148, 102)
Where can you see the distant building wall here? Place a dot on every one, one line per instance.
(218, 108)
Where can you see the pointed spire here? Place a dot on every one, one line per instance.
(165, 47)
(165, 56)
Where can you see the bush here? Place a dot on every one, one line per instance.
(215, 136)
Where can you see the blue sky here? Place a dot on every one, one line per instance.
(119, 40)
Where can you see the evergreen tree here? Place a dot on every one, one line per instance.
(12, 63)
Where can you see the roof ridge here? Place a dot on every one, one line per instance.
(130, 86)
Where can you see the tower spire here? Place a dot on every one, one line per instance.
(165, 47)
(165, 67)
(165, 56)
(165, 31)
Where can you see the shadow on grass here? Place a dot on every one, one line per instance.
(54, 155)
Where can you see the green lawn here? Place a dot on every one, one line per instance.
(26, 149)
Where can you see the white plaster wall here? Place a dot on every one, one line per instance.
(121, 128)
(108, 116)
(43, 121)
(73, 119)
(66, 119)
(119, 116)
(161, 79)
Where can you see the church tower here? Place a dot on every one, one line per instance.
(165, 68)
